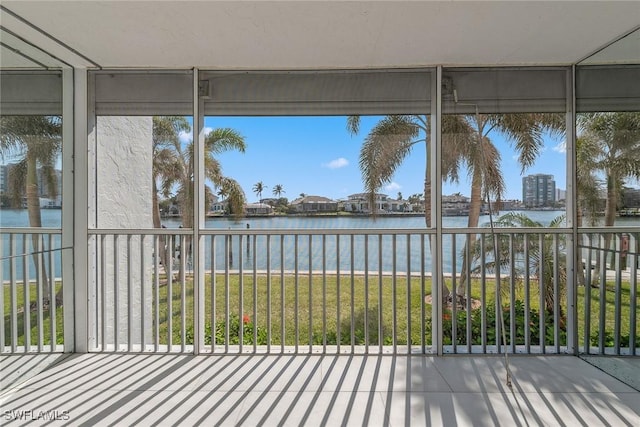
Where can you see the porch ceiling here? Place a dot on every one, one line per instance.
(319, 34)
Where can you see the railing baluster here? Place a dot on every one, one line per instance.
(2, 313)
(13, 298)
(352, 301)
(170, 293)
(255, 295)
(556, 293)
(366, 294)
(296, 285)
(156, 290)
(380, 312)
(184, 255)
(409, 343)
(468, 299)
(483, 292)
(587, 296)
(543, 313)
(617, 295)
(52, 295)
(633, 291)
(27, 295)
(130, 315)
(116, 293)
(310, 293)
(240, 295)
(103, 292)
(454, 294)
(527, 296)
(512, 296)
(603, 295)
(338, 332)
(227, 308)
(143, 282)
(40, 293)
(213, 294)
(324, 294)
(499, 306)
(423, 343)
(394, 303)
(268, 293)
(282, 296)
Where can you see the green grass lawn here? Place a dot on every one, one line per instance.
(312, 323)
(37, 335)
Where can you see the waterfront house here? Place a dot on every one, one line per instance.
(314, 204)
(255, 209)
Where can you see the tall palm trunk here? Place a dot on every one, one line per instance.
(446, 293)
(158, 224)
(582, 271)
(475, 205)
(35, 220)
(610, 215)
(187, 222)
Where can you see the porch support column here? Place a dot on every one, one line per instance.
(436, 209)
(198, 213)
(80, 217)
(68, 143)
(574, 264)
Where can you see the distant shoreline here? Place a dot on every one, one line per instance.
(348, 214)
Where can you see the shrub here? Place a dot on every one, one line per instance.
(476, 326)
(234, 332)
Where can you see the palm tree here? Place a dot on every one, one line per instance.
(173, 164)
(258, 188)
(36, 143)
(609, 144)
(512, 251)
(278, 189)
(467, 142)
(173, 167)
(589, 187)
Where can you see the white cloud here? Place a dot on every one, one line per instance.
(561, 147)
(185, 137)
(340, 162)
(393, 186)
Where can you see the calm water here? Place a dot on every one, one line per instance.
(337, 254)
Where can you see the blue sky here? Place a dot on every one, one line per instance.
(316, 155)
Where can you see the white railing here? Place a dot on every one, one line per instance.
(350, 291)
(611, 271)
(31, 299)
(331, 291)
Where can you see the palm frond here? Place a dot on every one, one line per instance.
(50, 179)
(353, 125)
(384, 149)
(17, 181)
(234, 195)
(458, 138)
(493, 184)
(224, 139)
(213, 170)
(167, 130)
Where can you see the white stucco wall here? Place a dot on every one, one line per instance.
(124, 201)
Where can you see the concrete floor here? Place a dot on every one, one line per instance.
(152, 389)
